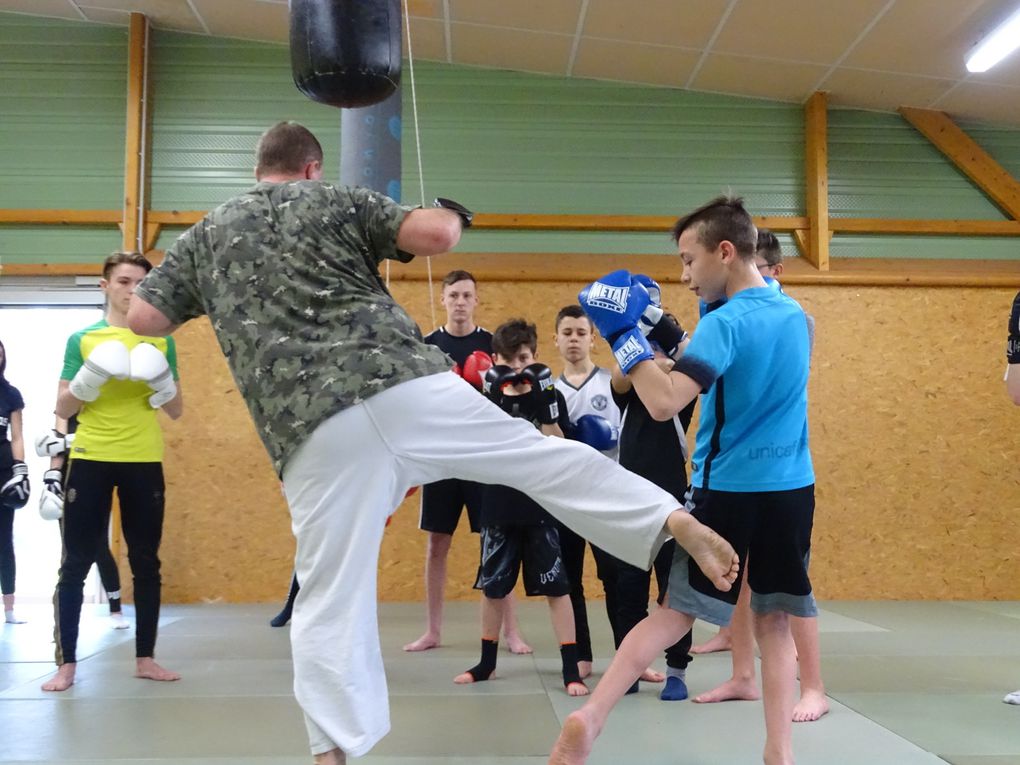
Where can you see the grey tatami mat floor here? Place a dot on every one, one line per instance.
(909, 684)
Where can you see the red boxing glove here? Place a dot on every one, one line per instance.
(475, 367)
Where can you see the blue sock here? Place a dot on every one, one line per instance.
(676, 687)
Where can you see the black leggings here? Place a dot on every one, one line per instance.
(627, 590)
(6, 524)
(87, 493)
(109, 574)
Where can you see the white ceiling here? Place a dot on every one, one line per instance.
(868, 54)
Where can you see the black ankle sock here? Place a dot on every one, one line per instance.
(114, 605)
(483, 669)
(568, 656)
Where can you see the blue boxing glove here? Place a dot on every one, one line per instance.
(615, 305)
(596, 431)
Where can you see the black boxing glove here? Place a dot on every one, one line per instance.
(543, 393)
(496, 378)
(1013, 338)
(466, 216)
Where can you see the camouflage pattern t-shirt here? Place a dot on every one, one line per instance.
(288, 274)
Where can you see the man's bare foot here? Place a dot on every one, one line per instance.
(713, 554)
(147, 669)
(427, 641)
(465, 678)
(332, 757)
(64, 678)
(731, 690)
(516, 643)
(577, 689)
(575, 741)
(651, 676)
(584, 669)
(718, 642)
(812, 706)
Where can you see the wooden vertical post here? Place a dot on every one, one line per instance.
(134, 163)
(816, 148)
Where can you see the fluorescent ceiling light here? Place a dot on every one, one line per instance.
(996, 46)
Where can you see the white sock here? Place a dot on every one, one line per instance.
(1012, 698)
(119, 622)
(10, 618)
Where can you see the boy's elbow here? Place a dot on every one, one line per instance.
(661, 411)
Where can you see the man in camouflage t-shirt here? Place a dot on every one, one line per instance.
(334, 373)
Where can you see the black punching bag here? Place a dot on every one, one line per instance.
(345, 52)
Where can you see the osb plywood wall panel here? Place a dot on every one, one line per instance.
(916, 449)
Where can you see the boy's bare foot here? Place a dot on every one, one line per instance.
(718, 642)
(731, 690)
(147, 669)
(584, 669)
(64, 678)
(713, 554)
(812, 706)
(516, 643)
(464, 678)
(424, 643)
(332, 757)
(577, 689)
(651, 676)
(575, 741)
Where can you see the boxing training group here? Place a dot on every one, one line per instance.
(334, 371)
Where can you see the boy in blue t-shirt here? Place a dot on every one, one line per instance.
(752, 478)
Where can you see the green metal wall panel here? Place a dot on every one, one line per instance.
(499, 141)
(212, 98)
(62, 91)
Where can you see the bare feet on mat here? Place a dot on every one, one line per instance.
(424, 643)
(576, 739)
(63, 680)
(465, 678)
(651, 676)
(812, 706)
(731, 690)
(147, 669)
(515, 642)
(718, 642)
(584, 669)
(713, 554)
(577, 689)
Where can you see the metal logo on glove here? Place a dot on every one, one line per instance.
(627, 352)
(608, 297)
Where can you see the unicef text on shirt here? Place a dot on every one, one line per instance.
(774, 452)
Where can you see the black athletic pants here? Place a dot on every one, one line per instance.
(87, 493)
(627, 592)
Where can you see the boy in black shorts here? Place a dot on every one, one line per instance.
(515, 529)
(469, 346)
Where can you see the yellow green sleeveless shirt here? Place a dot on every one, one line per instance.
(119, 426)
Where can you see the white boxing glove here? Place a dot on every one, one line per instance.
(53, 444)
(149, 365)
(108, 359)
(51, 503)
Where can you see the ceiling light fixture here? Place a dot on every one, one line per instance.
(1002, 41)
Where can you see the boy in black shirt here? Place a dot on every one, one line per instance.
(515, 529)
